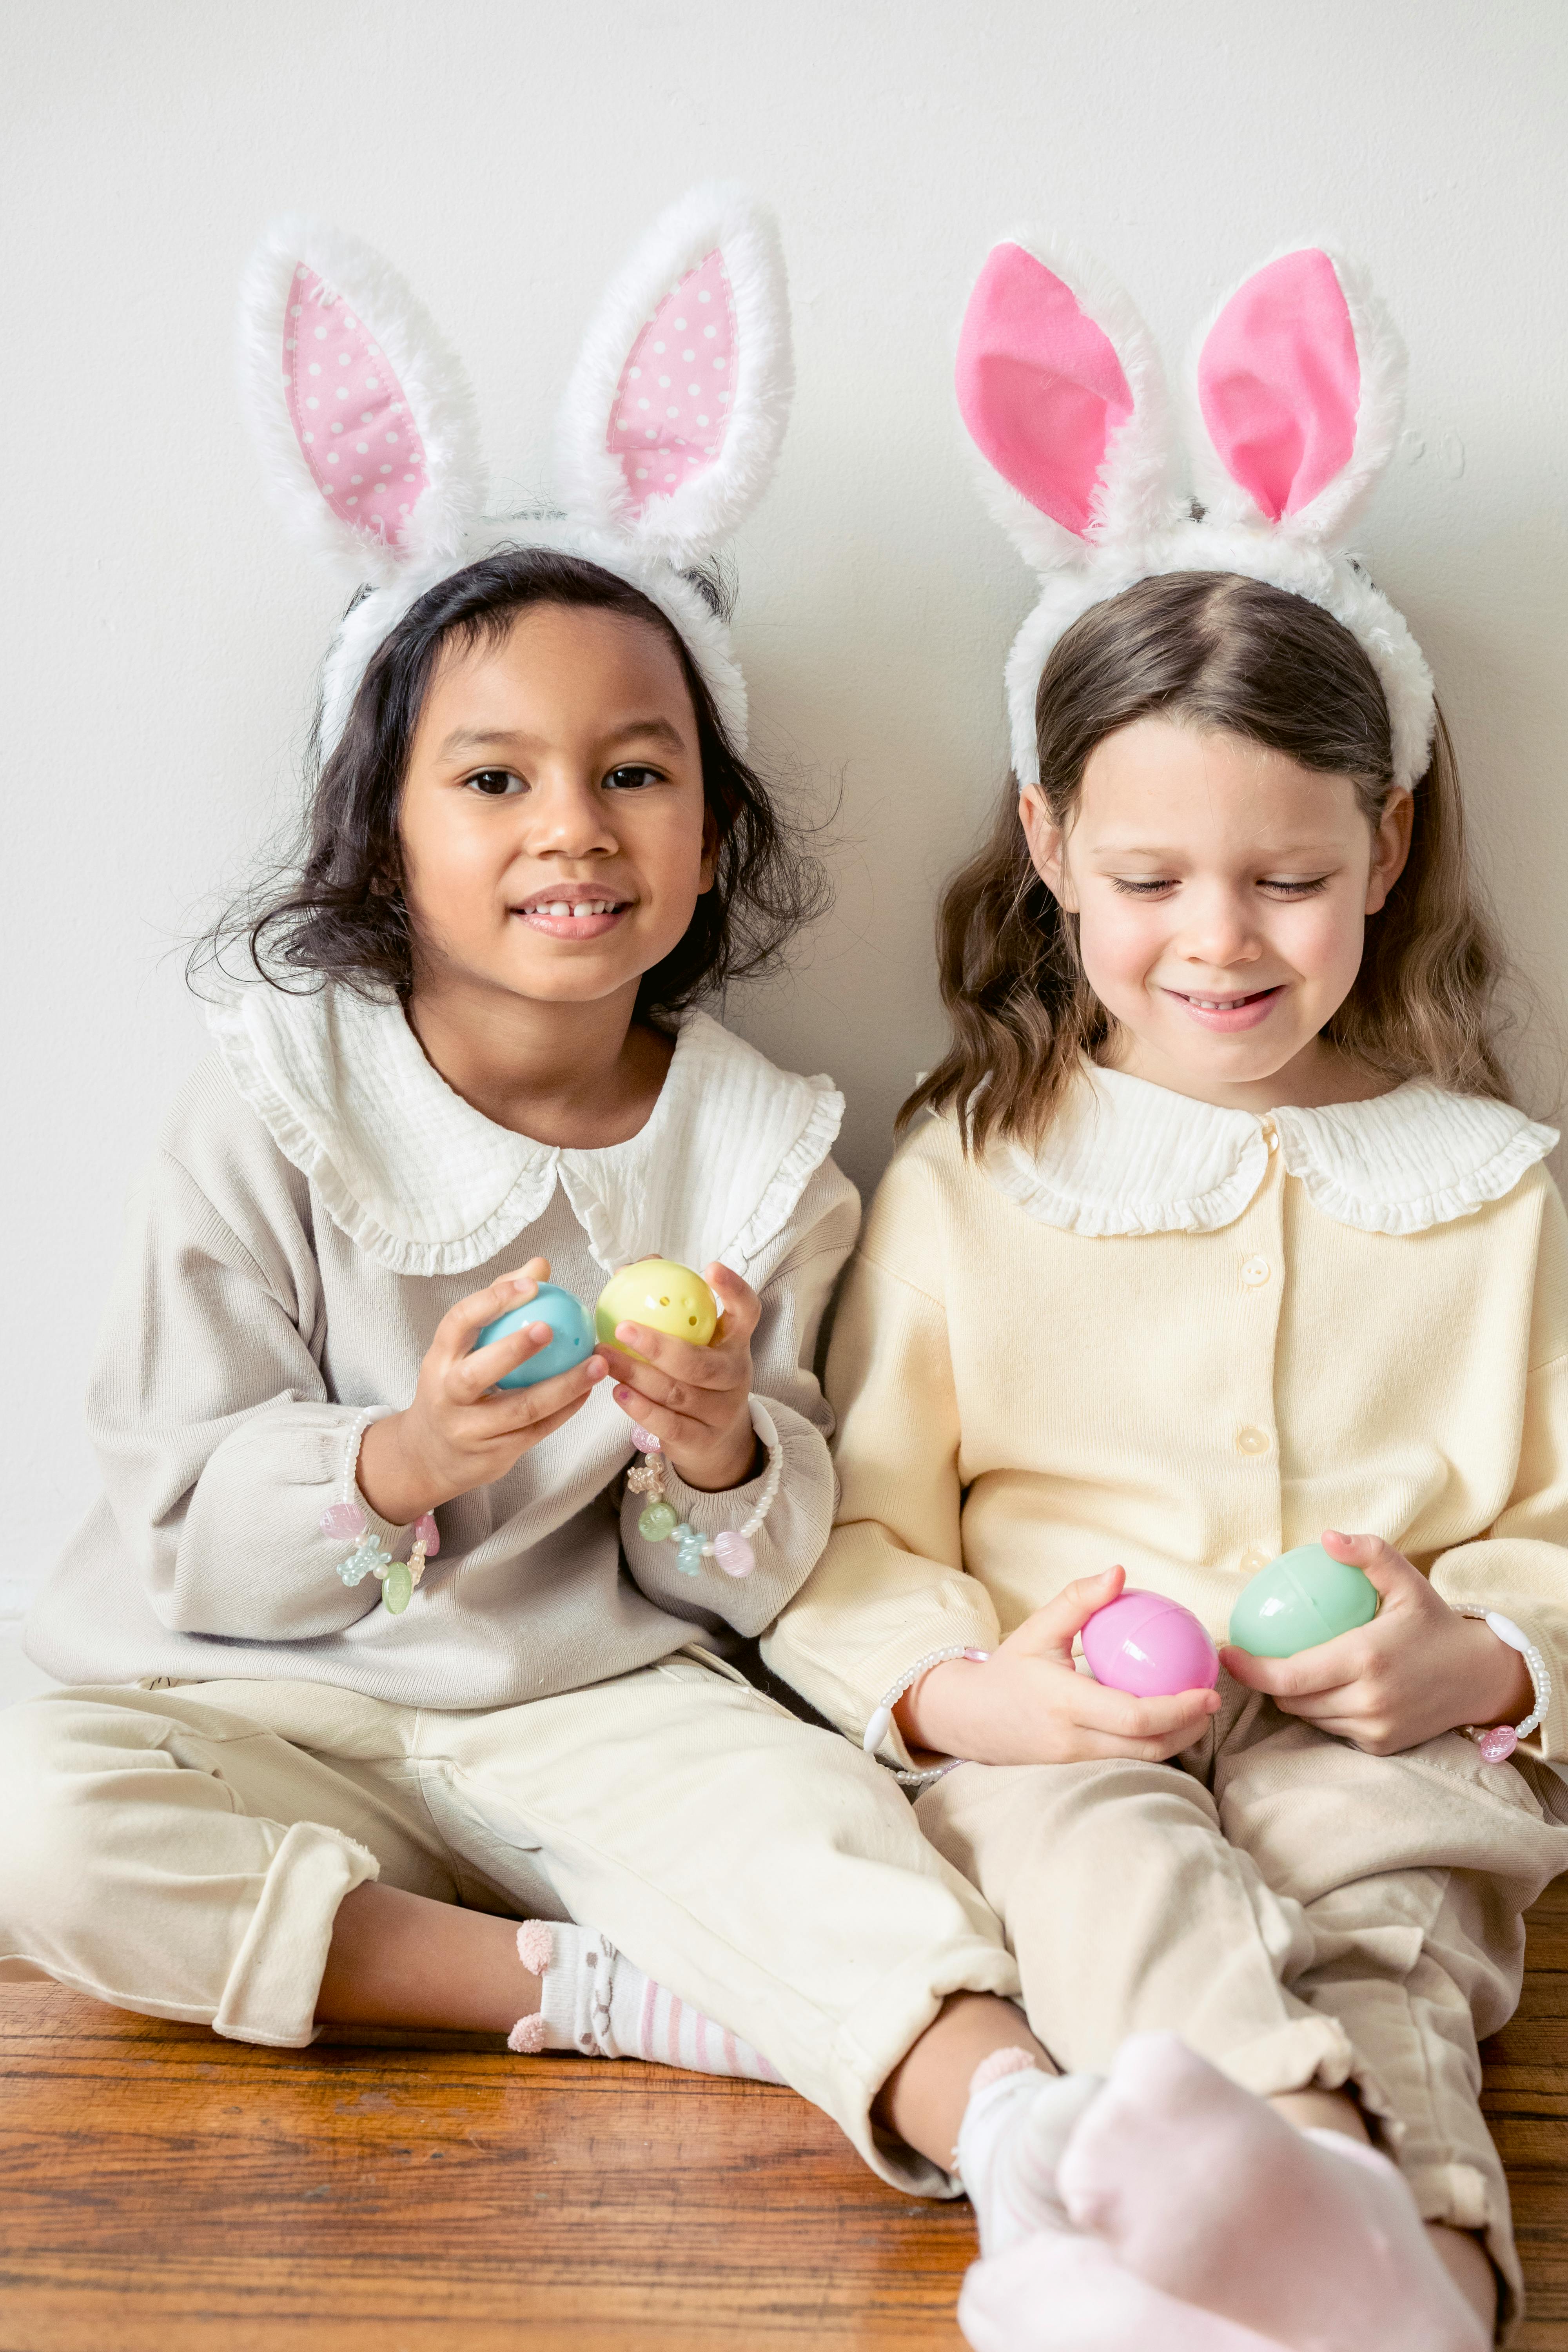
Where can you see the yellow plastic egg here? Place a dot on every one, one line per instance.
(664, 1296)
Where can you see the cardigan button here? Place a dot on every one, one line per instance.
(1255, 1272)
(1252, 1440)
(1251, 1561)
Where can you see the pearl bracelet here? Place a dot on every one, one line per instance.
(881, 1721)
(1497, 1741)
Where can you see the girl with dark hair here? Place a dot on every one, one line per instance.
(394, 1701)
(1222, 1234)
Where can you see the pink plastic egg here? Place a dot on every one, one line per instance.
(1148, 1647)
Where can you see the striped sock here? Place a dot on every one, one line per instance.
(595, 2001)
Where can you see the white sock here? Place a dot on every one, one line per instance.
(1015, 2126)
(595, 2001)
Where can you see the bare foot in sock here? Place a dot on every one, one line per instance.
(1203, 2192)
(1060, 2293)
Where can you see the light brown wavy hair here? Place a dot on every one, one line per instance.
(1209, 650)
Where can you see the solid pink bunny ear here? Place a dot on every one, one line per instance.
(1298, 385)
(1060, 389)
(364, 419)
(675, 411)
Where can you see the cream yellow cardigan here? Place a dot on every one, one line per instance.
(1182, 1339)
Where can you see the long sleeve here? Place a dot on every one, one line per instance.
(311, 1214)
(1520, 1567)
(791, 1417)
(217, 1441)
(890, 1587)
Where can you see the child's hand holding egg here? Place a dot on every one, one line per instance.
(678, 1349)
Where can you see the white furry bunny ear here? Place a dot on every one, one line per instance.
(674, 412)
(1297, 389)
(1062, 392)
(364, 417)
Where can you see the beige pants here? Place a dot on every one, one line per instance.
(1299, 1913)
(182, 1851)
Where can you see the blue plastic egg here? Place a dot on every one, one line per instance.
(567, 1318)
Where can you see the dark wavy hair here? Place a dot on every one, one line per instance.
(335, 910)
(1209, 650)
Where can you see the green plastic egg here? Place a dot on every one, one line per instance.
(1302, 1598)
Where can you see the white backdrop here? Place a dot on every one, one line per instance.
(161, 635)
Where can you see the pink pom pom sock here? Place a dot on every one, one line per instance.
(1206, 2194)
(595, 2001)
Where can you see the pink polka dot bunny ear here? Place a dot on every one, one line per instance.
(1296, 393)
(364, 419)
(1061, 390)
(672, 419)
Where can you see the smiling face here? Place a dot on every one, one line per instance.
(1222, 891)
(552, 824)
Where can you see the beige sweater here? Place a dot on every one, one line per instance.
(319, 1199)
(1182, 1339)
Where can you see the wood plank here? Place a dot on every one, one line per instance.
(162, 2190)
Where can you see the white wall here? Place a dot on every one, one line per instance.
(160, 633)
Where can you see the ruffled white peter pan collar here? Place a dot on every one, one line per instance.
(1126, 1157)
(427, 1184)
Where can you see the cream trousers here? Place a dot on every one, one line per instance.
(182, 1851)
(1299, 1913)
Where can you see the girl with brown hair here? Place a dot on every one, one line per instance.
(1223, 1235)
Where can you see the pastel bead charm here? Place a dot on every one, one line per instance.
(664, 1296)
(1150, 1647)
(733, 1553)
(1499, 1744)
(344, 1520)
(368, 1558)
(427, 1533)
(397, 1587)
(688, 1550)
(658, 1522)
(645, 1441)
(1304, 1597)
(567, 1318)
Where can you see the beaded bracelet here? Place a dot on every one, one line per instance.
(881, 1721)
(1497, 1741)
(398, 1579)
(660, 1522)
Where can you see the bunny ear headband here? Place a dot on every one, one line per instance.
(666, 439)
(1295, 394)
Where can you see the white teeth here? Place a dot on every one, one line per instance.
(560, 908)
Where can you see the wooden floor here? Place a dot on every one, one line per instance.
(164, 2191)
